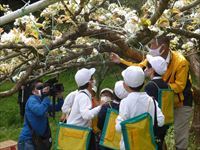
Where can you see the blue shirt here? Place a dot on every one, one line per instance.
(36, 113)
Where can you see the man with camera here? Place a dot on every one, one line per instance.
(36, 133)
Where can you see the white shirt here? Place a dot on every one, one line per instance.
(68, 102)
(137, 103)
(82, 112)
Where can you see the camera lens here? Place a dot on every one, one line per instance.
(39, 87)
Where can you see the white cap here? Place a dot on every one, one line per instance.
(158, 64)
(133, 76)
(83, 76)
(106, 89)
(119, 90)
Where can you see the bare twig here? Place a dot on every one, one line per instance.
(184, 33)
(192, 5)
(66, 8)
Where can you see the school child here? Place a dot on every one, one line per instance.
(136, 103)
(106, 94)
(67, 105)
(156, 67)
(119, 93)
(82, 112)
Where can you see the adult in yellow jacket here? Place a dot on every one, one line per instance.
(178, 78)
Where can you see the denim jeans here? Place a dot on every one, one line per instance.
(25, 145)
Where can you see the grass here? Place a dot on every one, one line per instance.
(11, 123)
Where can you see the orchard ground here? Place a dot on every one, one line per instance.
(11, 123)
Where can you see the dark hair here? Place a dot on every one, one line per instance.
(83, 87)
(155, 73)
(148, 65)
(34, 83)
(137, 89)
(163, 39)
(116, 97)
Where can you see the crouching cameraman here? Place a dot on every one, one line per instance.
(36, 133)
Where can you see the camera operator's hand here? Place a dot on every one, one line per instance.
(45, 91)
(59, 95)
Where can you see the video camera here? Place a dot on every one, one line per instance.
(55, 88)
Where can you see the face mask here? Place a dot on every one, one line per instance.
(105, 98)
(125, 93)
(94, 83)
(154, 52)
(39, 93)
(148, 72)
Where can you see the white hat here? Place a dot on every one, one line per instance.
(133, 76)
(158, 64)
(119, 90)
(83, 76)
(106, 89)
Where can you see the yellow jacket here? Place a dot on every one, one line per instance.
(176, 75)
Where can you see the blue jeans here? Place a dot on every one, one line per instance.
(25, 145)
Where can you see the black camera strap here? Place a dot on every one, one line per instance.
(155, 118)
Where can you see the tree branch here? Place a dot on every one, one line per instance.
(66, 8)
(184, 33)
(16, 87)
(194, 4)
(114, 38)
(163, 4)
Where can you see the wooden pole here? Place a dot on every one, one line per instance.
(26, 10)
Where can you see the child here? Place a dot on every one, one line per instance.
(119, 94)
(82, 112)
(156, 67)
(136, 103)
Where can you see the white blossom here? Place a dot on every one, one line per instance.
(132, 27)
(18, 76)
(179, 4)
(7, 37)
(188, 46)
(94, 52)
(156, 29)
(197, 31)
(102, 18)
(51, 67)
(108, 15)
(131, 15)
(93, 25)
(175, 40)
(119, 11)
(81, 59)
(112, 6)
(25, 19)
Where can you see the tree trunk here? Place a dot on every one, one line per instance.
(195, 68)
(196, 117)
